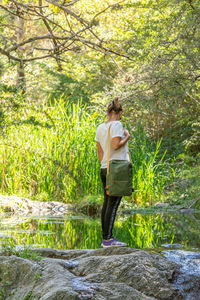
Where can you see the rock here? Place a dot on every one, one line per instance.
(102, 274)
(172, 245)
(162, 204)
(44, 280)
(24, 206)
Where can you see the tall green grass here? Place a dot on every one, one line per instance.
(49, 152)
(150, 170)
(52, 153)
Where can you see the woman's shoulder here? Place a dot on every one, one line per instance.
(117, 123)
(106, 125)
(101, 126)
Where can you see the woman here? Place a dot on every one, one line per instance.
(119, 150)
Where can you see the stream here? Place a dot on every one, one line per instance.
(142, 231)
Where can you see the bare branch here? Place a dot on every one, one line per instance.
(37, 38)
(74, 35)
(191, 4)
(103, 49)
(67, 10)
(13, 13)
(51, 21)
(29, 6)
(197, 77)
(67, 40)
(56, 46)
(4, 52)
(109, 6)
(70, 3)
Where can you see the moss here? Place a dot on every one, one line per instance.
(29, 296)
(9, 247)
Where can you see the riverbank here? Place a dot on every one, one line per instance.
(112, 273)
(26, 207)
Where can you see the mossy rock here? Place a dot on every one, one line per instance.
(91, 205)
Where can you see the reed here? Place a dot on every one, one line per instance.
(150, 171)
(49, 153)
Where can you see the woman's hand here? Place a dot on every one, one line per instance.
(127, 135)
(117, 142)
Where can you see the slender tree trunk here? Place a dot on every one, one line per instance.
(54, 43)
(20, 29)
(21, 81)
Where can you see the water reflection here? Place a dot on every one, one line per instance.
(78, 232)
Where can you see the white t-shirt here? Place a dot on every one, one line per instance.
(116, 130)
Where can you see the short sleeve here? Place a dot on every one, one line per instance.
(117, 130)
(97, 138)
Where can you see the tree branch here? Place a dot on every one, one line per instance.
(67, 10)
(102, 49)
(4, 52)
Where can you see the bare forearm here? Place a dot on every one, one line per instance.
(100, 155)
(118, 142)
(123, 142)
(99, 151)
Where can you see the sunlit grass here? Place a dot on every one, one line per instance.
(150, 172)
(49, 153)
(55, 156)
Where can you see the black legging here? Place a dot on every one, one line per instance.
(109, 209)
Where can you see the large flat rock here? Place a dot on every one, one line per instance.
(112, 273)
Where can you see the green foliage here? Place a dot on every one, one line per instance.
(185, 188)
(9, 247)
(149, 168)
(158, 84)
(29, 296)
(37, 276)
(52, 151)
(51, 154)
(160, 87)
(65, 86)
(90, 205)
(2, 294)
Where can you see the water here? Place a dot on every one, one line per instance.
(143, 231)
(187, 280)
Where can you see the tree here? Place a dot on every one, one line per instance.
(35, 30)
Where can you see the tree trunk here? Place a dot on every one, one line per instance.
(20, 29)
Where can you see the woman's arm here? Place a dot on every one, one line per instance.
(118, 142)
(99, 151)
